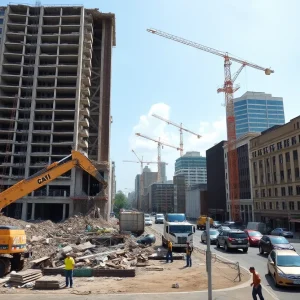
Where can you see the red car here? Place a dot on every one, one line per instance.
(253, 237)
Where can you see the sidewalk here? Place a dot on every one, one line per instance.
(228, 294)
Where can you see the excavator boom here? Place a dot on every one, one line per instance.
(46, 175)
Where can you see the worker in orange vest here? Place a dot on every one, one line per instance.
(169, 253)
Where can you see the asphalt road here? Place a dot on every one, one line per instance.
(252, 258)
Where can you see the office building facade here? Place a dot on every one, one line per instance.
(55, 74)
(179, 193)
(216, 191)
(193, 167)
(196, 201)
(245, 180)
(160, 198)
(256, 112)
(275, 167)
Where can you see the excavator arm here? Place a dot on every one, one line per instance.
(46, 175)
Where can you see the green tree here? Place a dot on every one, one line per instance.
(120, 202)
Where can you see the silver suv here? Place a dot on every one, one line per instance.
(233, 239)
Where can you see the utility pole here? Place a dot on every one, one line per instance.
(208, 259)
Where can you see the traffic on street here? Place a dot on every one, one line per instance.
(247, 259)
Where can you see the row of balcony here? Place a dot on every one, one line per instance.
(85, 84)
(65, 98)
(11, 33)
(36, 142)
(88, 35)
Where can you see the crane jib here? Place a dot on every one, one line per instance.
(43, 179)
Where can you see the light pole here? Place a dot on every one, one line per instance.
(208, 259)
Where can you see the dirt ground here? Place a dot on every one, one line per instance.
(146, 281)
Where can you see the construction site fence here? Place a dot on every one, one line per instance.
(218, 259)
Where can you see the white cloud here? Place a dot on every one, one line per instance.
(211, 133)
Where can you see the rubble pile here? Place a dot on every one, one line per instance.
(93, 243)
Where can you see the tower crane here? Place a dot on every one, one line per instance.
(181, 129)
(229, 89)
(142, 162)
(159, 147)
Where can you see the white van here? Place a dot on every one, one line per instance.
(258, 226)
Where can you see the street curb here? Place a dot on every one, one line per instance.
(243, 285)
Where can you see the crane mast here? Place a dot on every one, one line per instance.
(181, 129)
(141, 162)
(159, 146)
(228, 89)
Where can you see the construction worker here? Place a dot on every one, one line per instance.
(69, 267)
(169, 253)
(189, 250)
(257, 289)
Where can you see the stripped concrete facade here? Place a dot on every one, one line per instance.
(55, 75)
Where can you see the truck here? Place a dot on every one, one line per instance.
(177, 230)
(133, 221)
(201, 222)
(179, 233)
(13, 249)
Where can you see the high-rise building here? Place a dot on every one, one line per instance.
(193, 166)
(256, 112)
(246, 197)
(216, 191)
(163, 172)
(179, 193)
(161, 198)
(137, 181)
(275, 165)
(55, 82)
(149, 177)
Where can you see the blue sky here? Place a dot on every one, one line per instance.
(181, 81)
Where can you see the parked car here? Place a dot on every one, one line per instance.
(233, 239)
(159, 219)
(216, 224)
(254, 237)
(148, 221)
(270, 242)
(223, 228)
(213, 234)
(148, 239)
(282, 232)
(284, 267)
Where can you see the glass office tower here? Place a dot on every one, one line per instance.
(256, 112)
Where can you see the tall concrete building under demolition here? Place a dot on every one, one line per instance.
(55, 81)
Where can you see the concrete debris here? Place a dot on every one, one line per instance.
(50, 282)
(95, 244)
(23, 277)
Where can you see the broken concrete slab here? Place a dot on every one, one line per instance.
(67, 249)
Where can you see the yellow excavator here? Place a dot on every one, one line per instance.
(13, 239)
